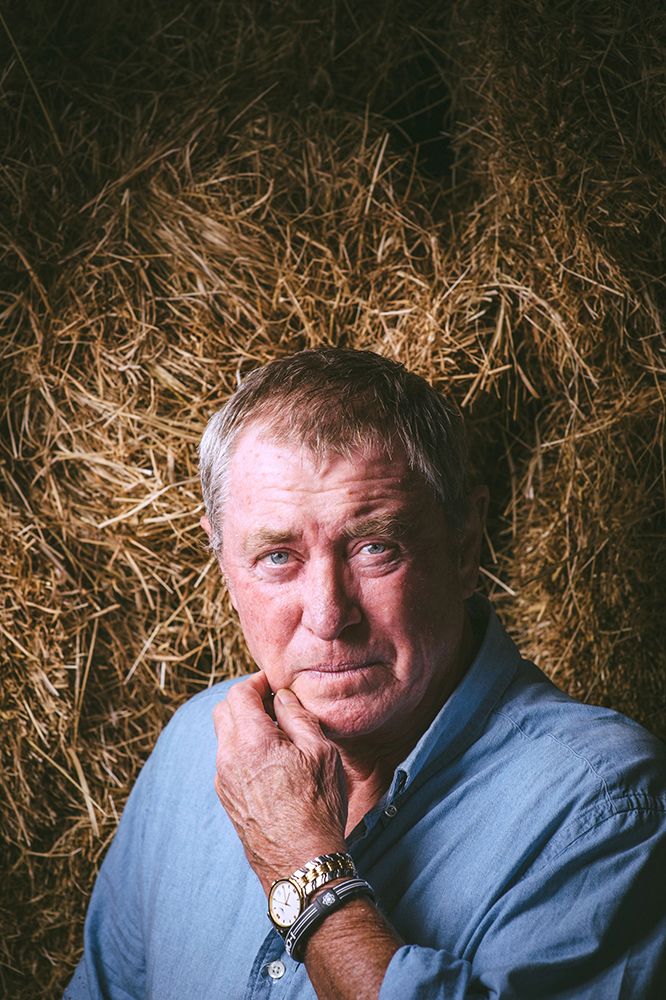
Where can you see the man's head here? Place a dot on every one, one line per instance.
(348, 546)
(338, 401)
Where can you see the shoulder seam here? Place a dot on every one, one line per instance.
(569, 749)
(636, 811)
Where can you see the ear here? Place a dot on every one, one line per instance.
(230, 591)
(470, 544)
(205, 524)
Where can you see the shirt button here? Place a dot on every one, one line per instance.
(276, 970)
(390, 811)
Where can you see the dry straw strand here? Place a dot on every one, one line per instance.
(476, 189)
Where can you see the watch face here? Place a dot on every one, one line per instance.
(284, 903)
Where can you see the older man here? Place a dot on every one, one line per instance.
(419, 810)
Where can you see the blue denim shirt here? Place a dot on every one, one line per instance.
(520, 851)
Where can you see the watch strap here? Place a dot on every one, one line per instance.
(323, 877)
(322, 865)
(314, 875)
(317, 911)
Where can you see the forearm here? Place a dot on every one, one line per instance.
(259, 765)
(347, 955)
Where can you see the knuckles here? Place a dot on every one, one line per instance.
(254, 757)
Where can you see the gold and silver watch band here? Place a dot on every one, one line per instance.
(289, 896)
(323, 869)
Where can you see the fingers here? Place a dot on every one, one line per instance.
(251, 711)
(258, 682)
(246, 709)
(294, 720)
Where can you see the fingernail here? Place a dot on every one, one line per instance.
(285, 696)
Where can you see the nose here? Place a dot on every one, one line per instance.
(329, 605)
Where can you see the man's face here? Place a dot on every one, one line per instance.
(348, 584)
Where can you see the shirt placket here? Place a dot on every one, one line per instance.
(273, 974)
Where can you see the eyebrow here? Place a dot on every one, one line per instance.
(270, 537)
(389, 525)
(386, 525)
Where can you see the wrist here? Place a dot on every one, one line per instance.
(290, 895)
(331, 899)
(296, 859)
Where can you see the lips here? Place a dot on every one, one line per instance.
(340, 667)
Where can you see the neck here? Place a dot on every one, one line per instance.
(370, 762)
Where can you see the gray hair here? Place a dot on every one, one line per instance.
(341, 401)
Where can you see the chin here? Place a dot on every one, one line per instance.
(342, 721)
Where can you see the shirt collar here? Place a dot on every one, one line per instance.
(463, 716)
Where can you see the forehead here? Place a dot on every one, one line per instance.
(270, 477)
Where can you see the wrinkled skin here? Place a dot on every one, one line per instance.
(260, 767)
(350, 590)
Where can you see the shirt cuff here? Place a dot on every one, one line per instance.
(425, 973)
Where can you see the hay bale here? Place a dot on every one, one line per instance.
(303, 232)
(589, 574)
(190, 193)
(564, 144)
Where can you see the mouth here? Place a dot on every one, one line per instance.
(340, 667)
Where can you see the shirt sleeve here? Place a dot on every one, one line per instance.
(113, 966)
(590, 923)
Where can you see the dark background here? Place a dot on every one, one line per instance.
(188, 190)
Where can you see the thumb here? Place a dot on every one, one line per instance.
(295, 720)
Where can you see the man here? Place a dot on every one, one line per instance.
(419, 810)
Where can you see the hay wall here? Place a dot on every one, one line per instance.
(476, 189)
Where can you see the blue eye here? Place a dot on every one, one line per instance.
(278, 558)
(375, 548)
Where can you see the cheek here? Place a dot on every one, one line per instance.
(429, 614)
(267, 621)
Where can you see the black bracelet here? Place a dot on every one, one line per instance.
(314, 914)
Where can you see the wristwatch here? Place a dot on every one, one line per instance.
(288, 896)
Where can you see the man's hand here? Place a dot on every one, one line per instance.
(283, 789)
(282, 784)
